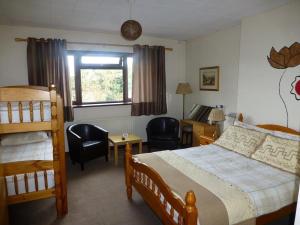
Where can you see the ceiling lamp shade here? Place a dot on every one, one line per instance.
(184, 88)
(216, 115)
(131, 30)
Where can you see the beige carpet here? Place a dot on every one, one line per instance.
(96, 196)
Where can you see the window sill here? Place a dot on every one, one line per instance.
(102, 104)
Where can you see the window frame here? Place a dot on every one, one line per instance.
(78, 66)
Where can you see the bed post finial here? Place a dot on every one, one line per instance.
(128, 170)
(240, 117)
(52, 87)
(191, 210)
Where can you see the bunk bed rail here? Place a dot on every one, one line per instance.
(27, 108)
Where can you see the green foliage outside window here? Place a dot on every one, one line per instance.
(101, 76)
(100, 85)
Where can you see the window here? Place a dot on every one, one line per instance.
(100, 77)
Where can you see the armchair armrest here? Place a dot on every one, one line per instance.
(101, 129)
(148, 133)
(98, 132)
(176, 131)
(74, 139)
(75, 144)
(75, 136)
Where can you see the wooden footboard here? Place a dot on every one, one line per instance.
(170, 208)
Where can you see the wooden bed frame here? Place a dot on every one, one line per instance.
(29, 94)
(151, 186)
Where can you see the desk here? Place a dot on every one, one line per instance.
(116, 140)
(200, 129)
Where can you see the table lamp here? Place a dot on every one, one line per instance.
(216, 115)
(183, 89)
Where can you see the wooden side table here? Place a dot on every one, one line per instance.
(116, 140)
(199, 129)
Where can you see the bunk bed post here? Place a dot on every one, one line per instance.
(56, 152)
(191, 210)
(62, 160)
(3, 200)
(128, 170)
(240, 117)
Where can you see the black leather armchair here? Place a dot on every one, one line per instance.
(162, 133)
(87, 142)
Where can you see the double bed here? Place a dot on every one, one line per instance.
(211, 185)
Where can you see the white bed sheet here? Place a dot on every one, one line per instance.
(269, 188)
(35, 151)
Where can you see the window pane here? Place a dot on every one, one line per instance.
(101, 85)
(100, 60)
(72, 76)
(129, 67)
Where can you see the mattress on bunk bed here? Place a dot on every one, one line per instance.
(34, 151)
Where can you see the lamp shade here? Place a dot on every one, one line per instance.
(131, 30)
(184, 88)
(216, 115)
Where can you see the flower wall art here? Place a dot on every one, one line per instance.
(284, 59)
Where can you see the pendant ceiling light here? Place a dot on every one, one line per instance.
(131, 29)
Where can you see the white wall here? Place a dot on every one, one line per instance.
(218, 49)
(248, 83)
(258, 95)
(13, 71)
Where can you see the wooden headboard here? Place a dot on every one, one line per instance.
(278, 128)
(274, 127)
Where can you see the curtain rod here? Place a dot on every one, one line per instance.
(88, 43)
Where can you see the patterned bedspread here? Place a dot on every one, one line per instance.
(269, 188)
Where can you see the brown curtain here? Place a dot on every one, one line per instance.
(47, 64)
(149, 81)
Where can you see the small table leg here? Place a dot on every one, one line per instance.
(116, 154)
(140, 147)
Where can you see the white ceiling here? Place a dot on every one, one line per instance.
(175, 19)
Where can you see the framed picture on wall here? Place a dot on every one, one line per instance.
(209, 78)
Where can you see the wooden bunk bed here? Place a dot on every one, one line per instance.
(151, 187)
(30, 95)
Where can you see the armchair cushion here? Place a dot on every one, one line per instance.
(87, 144)
(162, 137)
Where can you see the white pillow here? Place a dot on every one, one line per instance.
(280, 134)
(279, 152)
(288, 136)
(241, 140)
(252, 127)
(23, 138)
